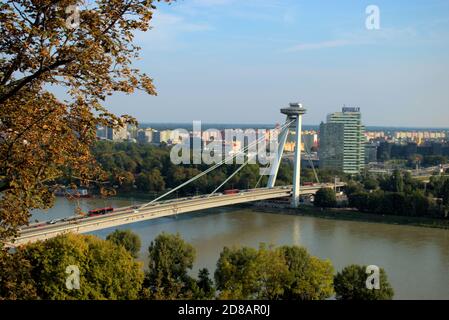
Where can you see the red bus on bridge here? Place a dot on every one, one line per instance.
(231, 191)
(99, 211)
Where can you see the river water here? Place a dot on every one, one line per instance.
(416, 259)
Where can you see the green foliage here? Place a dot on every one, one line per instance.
(107, 271)
(325, 198)
(396, 182)
(445, 193)
(310, 277)
(148, 168)
(350, 284)
(393, 203)
(285, 174)
(150, 181)
(206, 288)
(126, 238)
(15, 277)
(399, 194)
(235, 275)
(353, 187)
(439, 186)
(170, 258)
(268, 273)
(370, 183)
(399, 182)
(434, 160)
(328, 175)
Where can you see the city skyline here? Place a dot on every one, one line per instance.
(168, 124)
(223, 151)
(226, 60)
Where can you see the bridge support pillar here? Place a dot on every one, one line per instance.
(278, 158)
(297, 163)
(294, 113)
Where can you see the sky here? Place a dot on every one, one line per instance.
(235, 61)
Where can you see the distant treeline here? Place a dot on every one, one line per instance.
(426, 155)
(400, 194)
(147, 168)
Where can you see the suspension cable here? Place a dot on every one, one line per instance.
(285, 125)
(229, 178)
(261, 176)
(236, 171)
(258, 181)
(311, 162)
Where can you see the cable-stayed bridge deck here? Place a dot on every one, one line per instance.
(127, 215)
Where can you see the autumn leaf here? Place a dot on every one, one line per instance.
(43, 138)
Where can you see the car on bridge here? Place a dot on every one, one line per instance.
(38, 225)
(215, 194)
(72, 218)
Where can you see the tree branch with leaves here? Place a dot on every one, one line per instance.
(42, 135)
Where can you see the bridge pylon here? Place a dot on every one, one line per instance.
(294, 115)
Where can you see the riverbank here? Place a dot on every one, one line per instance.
(353, 215)
(306, 210)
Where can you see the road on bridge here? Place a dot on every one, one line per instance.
(126, 215)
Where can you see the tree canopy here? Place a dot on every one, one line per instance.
(126, 238)
(170, 259)
(311, 277)
(85, 50)
(106, 271)
(325, 198)
(350, 284)
(400, 194)
(272, 273)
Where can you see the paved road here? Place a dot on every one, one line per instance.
(126, 215)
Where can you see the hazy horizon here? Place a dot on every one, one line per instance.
(305, 125)
(241, 61)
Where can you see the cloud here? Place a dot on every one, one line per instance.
(167, 30)
(319, 45)
(207, 3)
(175, 23)
(396, 36)
(257, 10)
(289, 17)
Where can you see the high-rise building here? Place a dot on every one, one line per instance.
(342, 141)
(132, 130)
(114, 134)
(165, 136)
(370, 153)
(156, 137)
(145, 135)
(101, 133)
(117, 134)
(330, 151)
(309, 140)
